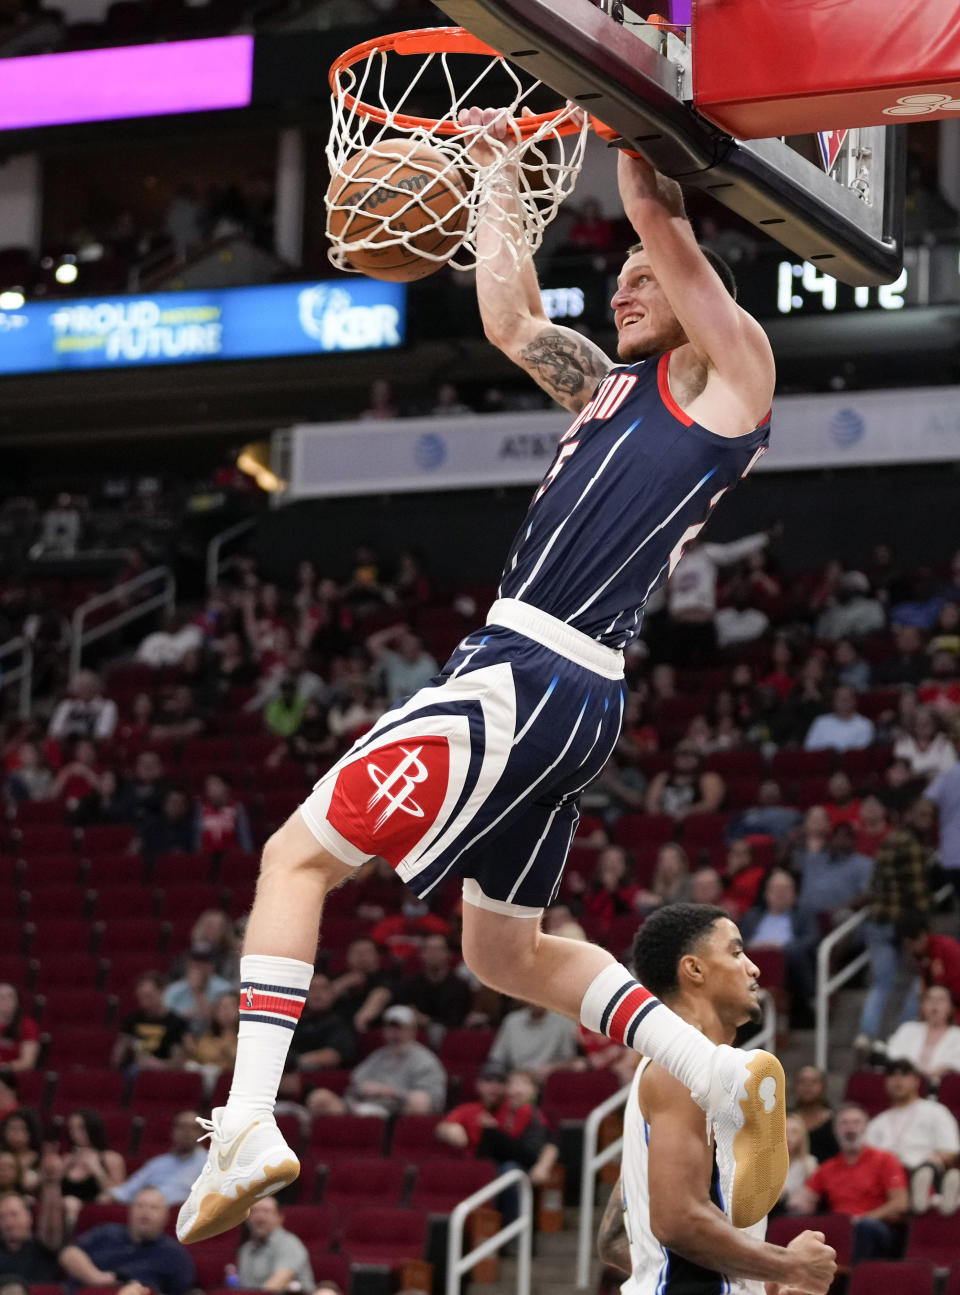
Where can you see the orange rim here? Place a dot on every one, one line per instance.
(429, 40)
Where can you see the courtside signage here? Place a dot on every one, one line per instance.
(129, 81)
(220, 324)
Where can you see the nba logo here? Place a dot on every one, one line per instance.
(831, 142)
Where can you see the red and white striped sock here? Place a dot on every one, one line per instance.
(272, 994)
(617, 1005)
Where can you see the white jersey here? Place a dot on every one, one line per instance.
(656, 1270)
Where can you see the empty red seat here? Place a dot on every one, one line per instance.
(95, 1214)
(414, 1139)
(43, 836)
(327, 1267)
(949, 1093)
(105, 870)
(57, 902)
(106, 838)
(771, 964)
(98, 1089)
(789, 763)
(60, 937)
(157, 1094)
(465, 1047)
(385, 1236)
(443, 1184)
(351, 1184)
(572, 1094)
(317, 1226)
(211, 1259)
(933, 1237)
(837, 1228)
(80, 1046)
(360, 1135)
(138, 935)
(633, 831)
(886, 1277)
(34, 1088)
(128, 901)
(79, 970)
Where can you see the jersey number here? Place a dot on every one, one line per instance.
(691, 533)
(609, 396)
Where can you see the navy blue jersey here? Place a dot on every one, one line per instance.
(633, 480)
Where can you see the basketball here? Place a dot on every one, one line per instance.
(402, 186)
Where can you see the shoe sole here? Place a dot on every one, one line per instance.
(760, 1147)
(219, 1213)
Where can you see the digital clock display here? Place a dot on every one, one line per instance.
(801, 286)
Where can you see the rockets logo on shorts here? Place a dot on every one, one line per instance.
(386, 801)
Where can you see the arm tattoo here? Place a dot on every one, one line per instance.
(566, 365)
(612, 1244)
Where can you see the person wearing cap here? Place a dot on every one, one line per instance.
(843, 728)
(923, 1135)
(193, 996)
(401, 1078)
(172, 1173)
(462, 1127)
(868, 1184)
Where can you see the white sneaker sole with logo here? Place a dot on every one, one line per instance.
(746, 1104)
(252, 1162)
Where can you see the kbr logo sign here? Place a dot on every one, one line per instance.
(329, 315)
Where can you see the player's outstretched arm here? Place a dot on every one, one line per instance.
(725, 338)
(562, 361)
(684, 1219)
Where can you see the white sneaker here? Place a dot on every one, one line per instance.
(950, 1192)
(746, 1105)
(921, 1185)
(253, 1162)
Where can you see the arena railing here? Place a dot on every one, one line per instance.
(828, 985)
(594, 1159)
(459, 1263)
(145, 593)
(215, 563)
(21, 647)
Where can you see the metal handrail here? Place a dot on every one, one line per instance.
(766, 1036)
(458, 1263)
(22, 672)
(594, 1160)
(217, 543)
(80, 637)
(827, 985)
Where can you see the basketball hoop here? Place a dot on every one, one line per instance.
(372, 101)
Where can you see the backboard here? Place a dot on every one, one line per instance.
(837, 204)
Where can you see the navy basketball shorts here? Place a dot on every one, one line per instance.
(478, 774)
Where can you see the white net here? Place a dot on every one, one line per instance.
(537, 164)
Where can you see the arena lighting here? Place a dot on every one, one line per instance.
(254, 460)
(66, 273)
(13, 299)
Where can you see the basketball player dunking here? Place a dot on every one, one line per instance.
(477, 776)
(668, 1221)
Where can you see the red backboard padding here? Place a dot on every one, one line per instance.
(763, 68)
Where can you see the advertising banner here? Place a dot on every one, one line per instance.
(219, 324)
(825, 431)
(128, 81)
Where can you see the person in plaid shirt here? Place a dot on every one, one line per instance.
(900, 885)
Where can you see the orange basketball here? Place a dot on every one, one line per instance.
(400, 185)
